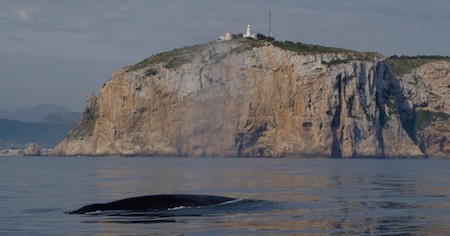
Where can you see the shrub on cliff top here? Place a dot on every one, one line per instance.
(171, 59)
(302, 48)
(424, 118)
(180, 56)
(405, 64)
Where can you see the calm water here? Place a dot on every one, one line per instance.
(295, 196)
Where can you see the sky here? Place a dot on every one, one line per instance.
(58, 52)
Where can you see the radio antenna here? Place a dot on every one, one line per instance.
(270, 19)
(235, 23)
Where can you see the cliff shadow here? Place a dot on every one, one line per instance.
(401, 105)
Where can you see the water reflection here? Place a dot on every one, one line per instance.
(335, 197)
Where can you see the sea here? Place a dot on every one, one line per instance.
(294, 196)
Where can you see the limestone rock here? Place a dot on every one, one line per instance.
(247, 98)
(79, 140)
(426, 90)
(32, 150)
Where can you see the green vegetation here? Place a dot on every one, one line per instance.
(309, 48)
(338, 62)
(424, 118)
(265, 38)
(171, 59)
(85, 127)
(306, 49)
(405, 64)
(178, 57)
(247, 44)
(151, 71)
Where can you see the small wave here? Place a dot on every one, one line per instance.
(40, 210)
(231, 201)
(178, 208)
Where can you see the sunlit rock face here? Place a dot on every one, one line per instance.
(32, 150)
(248, 98)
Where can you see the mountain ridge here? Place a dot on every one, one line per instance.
(48, 132)
(17, 134)
(33, 113)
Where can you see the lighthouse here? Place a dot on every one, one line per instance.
(229, 36)
(249, 33)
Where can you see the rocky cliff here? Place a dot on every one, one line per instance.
(252, 98)
(421, 88)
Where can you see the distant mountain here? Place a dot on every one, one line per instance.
(21, 133)
(62, 118)
(32, 114)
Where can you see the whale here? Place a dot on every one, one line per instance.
(154, 203)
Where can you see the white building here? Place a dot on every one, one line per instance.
(249, 33)
(229, 36)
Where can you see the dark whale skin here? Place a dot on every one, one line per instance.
(154, 203)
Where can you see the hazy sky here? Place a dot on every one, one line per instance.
(59, 51)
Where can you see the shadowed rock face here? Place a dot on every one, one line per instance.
(426, 92)
(249, 99)
(155, 203)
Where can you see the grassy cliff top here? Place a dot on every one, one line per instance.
(171, 58)
(306, 49)
(405, 64)
(179, 56)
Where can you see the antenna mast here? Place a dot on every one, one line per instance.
(235, 23)
(270, 30)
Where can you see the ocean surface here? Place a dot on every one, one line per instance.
(277, 196)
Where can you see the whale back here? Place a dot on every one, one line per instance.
(155, 203)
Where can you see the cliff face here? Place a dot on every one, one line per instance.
(425, 91)
(250, 98)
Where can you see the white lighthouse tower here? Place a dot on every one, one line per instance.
(249, 33)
